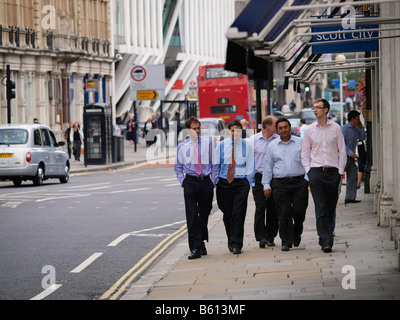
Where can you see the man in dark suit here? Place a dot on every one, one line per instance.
(163, 124)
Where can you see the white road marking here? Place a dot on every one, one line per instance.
(88, 185)
(63, 197)
(173, 185)
(47, 292)
(139, 179)
(131, 190)
(87, 262)
(134, 233)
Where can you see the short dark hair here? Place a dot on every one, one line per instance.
(325, 103)
(352, 114)
(191, 120)
(283, 119)
(234, 123)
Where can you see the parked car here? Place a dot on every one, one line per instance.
(215, 128)
(295, 124)
(31, 152)
(308, 115)
(334, 112)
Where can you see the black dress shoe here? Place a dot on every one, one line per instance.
(230, 248)
(203, 250)
(195, 254)
(297, 240)
(270, 243)
(285, 248)
(351, 201)
(236, 250)
(262, 243)
(327, 248)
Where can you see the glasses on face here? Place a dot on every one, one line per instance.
(318, 108)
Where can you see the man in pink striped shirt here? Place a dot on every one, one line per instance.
(324, 159)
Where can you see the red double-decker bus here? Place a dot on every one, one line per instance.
(226, 95)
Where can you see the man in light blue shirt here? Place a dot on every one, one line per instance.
(236, 170)
(196, 169)
(265, 220)
(285, 177)
(352, 132)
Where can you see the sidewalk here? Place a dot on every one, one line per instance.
(305, 272)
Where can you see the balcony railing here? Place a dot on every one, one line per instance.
(16, 37)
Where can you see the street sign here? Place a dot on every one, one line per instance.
(138, 73)
(326, 40)
(147, 82)
(147, 95)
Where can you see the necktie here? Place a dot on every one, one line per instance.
(197, 166)
(231, 169)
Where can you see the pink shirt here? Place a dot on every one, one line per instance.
(324, 146)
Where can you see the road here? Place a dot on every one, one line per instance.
(89, 238)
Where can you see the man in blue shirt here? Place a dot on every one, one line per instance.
(265, 220)
(195, 162)
(352, 132)
(284, 176)
(236, 170)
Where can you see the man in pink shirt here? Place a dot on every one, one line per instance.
(324, 159)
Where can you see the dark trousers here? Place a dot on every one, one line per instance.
(77, 149)
(198, 196)
(291, 198)
(324, 189)
(265, 219)
(232, 200)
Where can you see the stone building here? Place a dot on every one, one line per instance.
(52, 46)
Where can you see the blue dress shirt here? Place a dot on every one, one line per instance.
(185, 162)
(283, 159)
(351, 136)
(244, 159)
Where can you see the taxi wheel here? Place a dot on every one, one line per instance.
(65, 179)
(17, 181)
(38, 179)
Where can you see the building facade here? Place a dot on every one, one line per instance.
(52, 46)
(182, 35)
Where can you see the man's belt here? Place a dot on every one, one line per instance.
(198, 177)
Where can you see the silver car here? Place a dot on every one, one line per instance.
(31, 152)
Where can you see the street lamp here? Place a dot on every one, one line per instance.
(341, 58)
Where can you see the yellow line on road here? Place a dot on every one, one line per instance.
(152, 256)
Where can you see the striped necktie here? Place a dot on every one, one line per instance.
(231, 169)
(197, 166)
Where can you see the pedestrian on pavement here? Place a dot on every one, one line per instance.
(146, 129)
(265, 219)
(76, 137)
(284, 176)
(197, 171)
(236, 171)
(67, 138)
(163, 124)
(352, 132)
(131, 131)
(324, 159)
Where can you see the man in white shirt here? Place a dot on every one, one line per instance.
(324, 159)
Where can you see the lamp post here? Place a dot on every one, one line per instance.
(341, 58)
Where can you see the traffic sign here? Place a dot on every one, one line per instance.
(147, 82)
(147, 95)
(138, 73)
